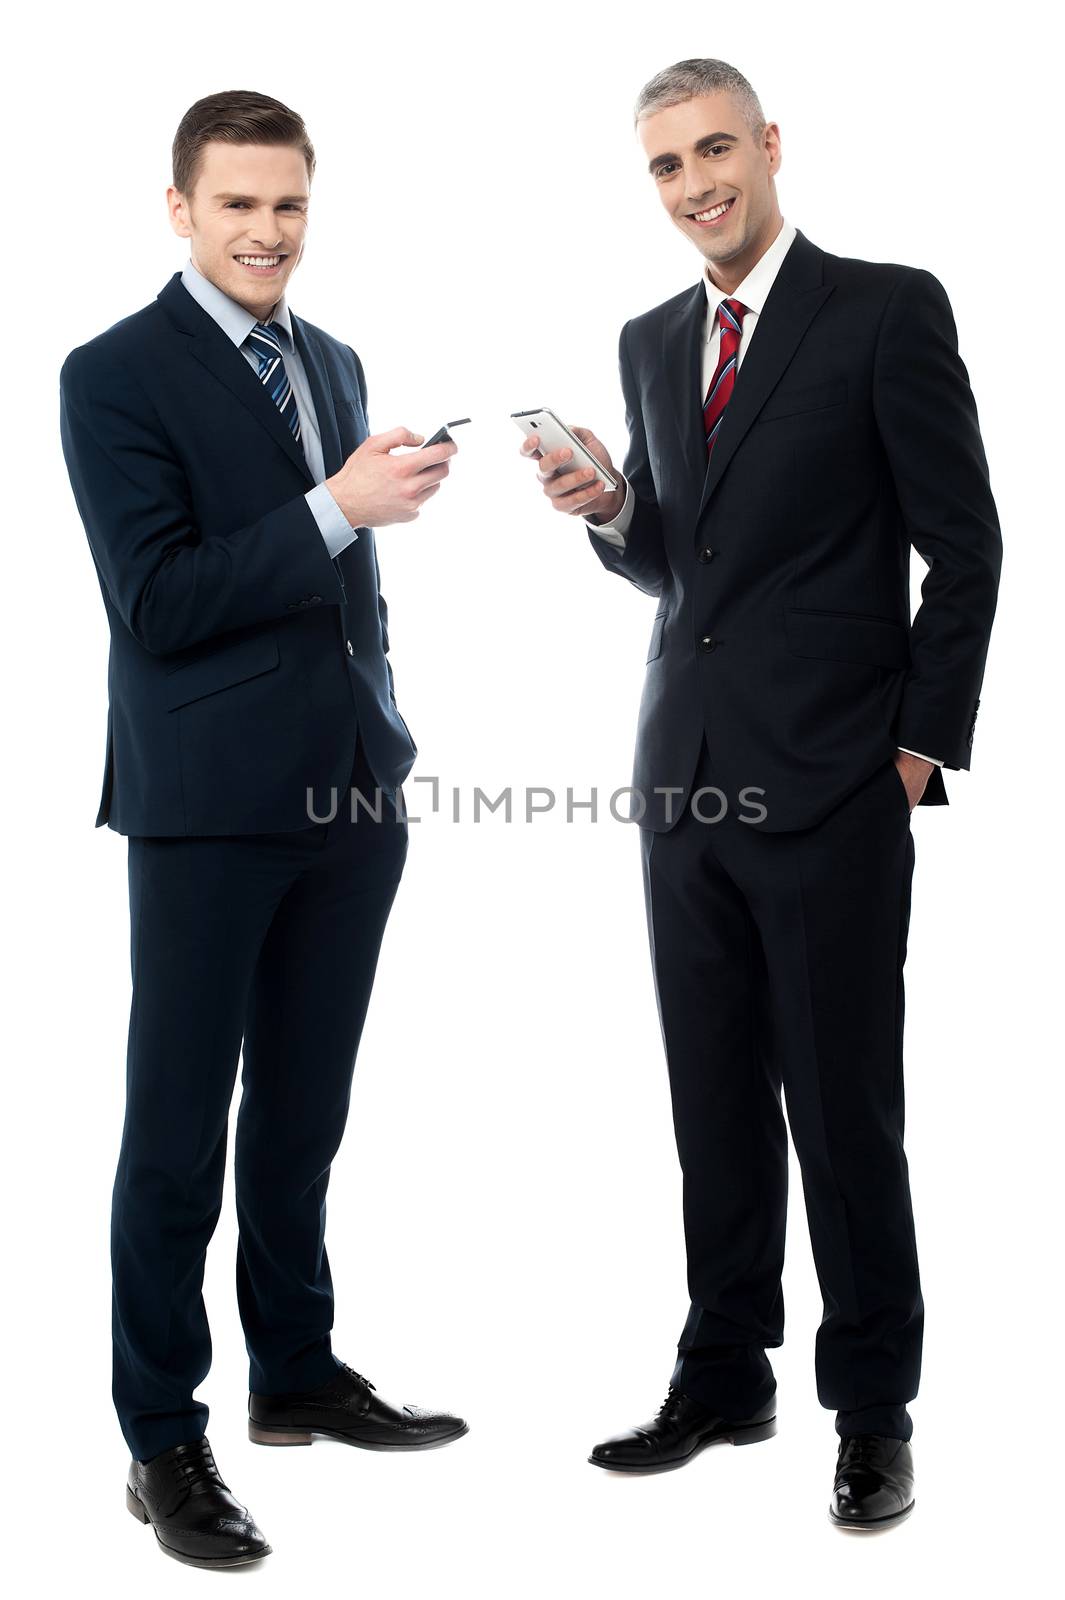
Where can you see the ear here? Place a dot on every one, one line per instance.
(178, 212)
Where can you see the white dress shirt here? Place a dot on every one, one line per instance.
(752, 292)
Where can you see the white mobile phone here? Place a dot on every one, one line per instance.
(554, 435)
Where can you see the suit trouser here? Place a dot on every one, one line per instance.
(273, 938)
(778, 962)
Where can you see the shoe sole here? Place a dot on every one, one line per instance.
(136, 1509)
(752, 1435)
(873, 1524)
(279, 1434)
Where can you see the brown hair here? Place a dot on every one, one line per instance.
(237, 116)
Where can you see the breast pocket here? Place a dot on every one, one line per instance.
(792, 400)
(352, 425)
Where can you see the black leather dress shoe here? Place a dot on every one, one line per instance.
(681, 1429)
(349, 1408)
(874, 1482)
(196, 1519)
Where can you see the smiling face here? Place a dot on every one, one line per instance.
(246, 219)
(703, 158)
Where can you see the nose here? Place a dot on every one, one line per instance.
(694, 190)
(267, 227)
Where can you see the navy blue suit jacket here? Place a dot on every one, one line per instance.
(782, 567)
(243, 658)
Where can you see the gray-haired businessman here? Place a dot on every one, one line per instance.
(797, 421)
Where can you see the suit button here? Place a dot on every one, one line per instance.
(351, 647)
(314, 599)
(706, 643)
(706, 554)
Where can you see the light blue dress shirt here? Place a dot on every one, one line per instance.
(236, 323)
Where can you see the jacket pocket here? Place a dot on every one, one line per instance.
(847, 636)
(221, 670)
(654, 649)
(787, 402)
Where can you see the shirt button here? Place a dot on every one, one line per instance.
(351, 647)
(706, 643)
(706, 554)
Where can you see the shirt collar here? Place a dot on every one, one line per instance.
(235, 322)
(753, 291)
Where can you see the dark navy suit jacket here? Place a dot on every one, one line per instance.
(782, 570)
(243, 657)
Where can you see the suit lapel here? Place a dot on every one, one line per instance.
(209, 345)
(683, 336)
(310, 351)
(797, 294)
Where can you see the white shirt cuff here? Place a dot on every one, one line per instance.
(614, 532)
(333, 525)
(932, 759)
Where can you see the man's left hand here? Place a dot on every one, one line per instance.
(914, 772)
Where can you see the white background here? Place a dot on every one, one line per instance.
(505, 1212)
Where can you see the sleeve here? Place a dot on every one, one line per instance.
(171, 587)
(643, 558)
(928, 424)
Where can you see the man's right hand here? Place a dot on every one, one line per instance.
(374, 488)
(579, 493)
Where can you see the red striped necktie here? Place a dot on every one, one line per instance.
(730, 316)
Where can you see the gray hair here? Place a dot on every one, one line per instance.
(687, 79)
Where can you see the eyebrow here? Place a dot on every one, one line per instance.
(700, 145)
(286, 199)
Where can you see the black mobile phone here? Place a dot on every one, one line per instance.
(441, 436)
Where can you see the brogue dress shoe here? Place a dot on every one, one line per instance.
(195, 1518)
(681, 1429)
(348, 1408)
(873, 1487)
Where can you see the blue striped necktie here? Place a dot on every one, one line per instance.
(272, 374)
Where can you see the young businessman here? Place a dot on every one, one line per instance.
(797, 420)
(219, 453)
